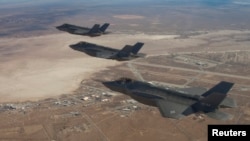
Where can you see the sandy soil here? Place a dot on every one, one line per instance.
(127, 17)
(40, 67)
(45, 66)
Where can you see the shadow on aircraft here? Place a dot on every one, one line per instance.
(175, 103)
(126, 53)
(96, 30)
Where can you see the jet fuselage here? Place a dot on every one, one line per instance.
(151, 92)
(175, 103)
(104, 52)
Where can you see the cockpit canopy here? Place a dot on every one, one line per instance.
(125, 80)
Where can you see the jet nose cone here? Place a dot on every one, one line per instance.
(109, 84)
(114, 86)
(74, 46)
(61, 27)
(78, 45)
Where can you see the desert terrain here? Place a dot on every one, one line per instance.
(50, 92)
(45, 66)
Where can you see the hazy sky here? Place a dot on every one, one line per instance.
(124, 1)
(22, 3)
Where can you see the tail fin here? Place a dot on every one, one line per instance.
(125, 51)
(94, 29)
(223, 87)
(137, 47)
(104, 27)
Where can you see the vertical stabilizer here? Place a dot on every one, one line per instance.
(94, 29)
(104, 27)
(137, 47)
(223, 87)
(125, 51)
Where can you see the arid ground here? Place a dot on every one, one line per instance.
(51, 92)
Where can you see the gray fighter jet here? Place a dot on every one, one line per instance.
(126, 53)
(96, 30)
(177, 104)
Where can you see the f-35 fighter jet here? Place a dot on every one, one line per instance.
(96, 30)
(177, 104)
(126, 53)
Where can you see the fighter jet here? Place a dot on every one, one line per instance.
(96, 30)
(126, 53)
(177, 104)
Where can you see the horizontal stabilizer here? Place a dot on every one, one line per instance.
(219, 115)
(223, 87)
(229, 103)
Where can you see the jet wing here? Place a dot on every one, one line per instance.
(171, 109)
